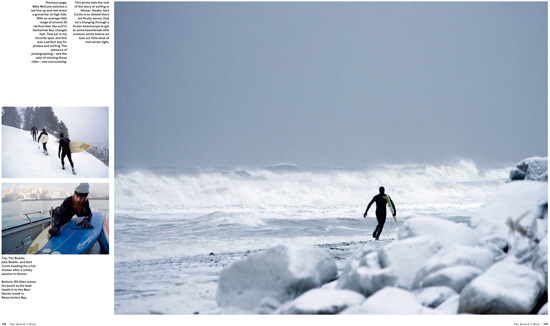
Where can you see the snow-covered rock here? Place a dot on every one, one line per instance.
(534, 168)
(365, 274)
(281, 273)
(321, 302)
(505, 288)
(443, 231)
(450, 306)
(543, 310)
(455, 277)
(522, 205)
(540, 259)
(267, 306)
(405, 258)
(498, 245)
(496, 265)
(395, 264)
(229, 311)
(390, 301)
(453, 256)
(434, 296)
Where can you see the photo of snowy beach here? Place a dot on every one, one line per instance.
(293, 230)
(251, 137)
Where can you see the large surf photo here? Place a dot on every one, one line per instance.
(331, 158)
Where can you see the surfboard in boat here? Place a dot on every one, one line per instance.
(73, 239)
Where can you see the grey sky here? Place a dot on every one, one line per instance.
(329, 84)
(86, 124)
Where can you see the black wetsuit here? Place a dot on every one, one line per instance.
(381, 202)
(43, 144)
(64, 150)
(33, 133)
(64, 213)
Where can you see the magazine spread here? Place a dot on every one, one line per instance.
(170, 162)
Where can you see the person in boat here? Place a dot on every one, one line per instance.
(76, 204)
(381, 200)
(64, 150)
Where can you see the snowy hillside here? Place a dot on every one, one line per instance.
(23, 158)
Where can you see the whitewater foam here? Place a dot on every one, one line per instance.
(293, 191)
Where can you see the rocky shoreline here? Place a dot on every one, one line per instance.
(498, 264)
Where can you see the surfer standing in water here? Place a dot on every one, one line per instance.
(381, 200)
(76, 204)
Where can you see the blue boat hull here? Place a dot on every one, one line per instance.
(104, 236)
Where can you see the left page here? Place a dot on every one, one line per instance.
(57, 163)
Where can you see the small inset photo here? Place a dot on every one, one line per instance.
(55, 218)
(55, 142)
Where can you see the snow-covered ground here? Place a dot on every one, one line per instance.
(295, 242)
(24, 158)
(434, 267)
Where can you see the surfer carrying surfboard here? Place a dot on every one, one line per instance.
(43, 138)
(64, 150)
(76, 204)
(381, 200)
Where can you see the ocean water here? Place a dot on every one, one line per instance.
(175, 229)
(12, 211)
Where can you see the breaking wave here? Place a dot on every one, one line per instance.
(291, 190)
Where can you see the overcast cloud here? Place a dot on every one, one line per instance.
(85, 124)
(329, 84)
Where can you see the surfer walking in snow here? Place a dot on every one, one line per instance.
(381, 200)
(64, 150)
(76, 204)
(43, 134)
(33, 133)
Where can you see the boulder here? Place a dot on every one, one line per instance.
(540, 259)
(498, 245)
(505, 288)
(404, 258)
(281, 273)
(267, 306)
(443, 231)
(395, 264)
(390, 301)
(321, 302)
(450, 306)
(364, 274)
(455, 277)
(452, 256)
(521, 202)
(543, 310)
(434, 296)
(534, 168)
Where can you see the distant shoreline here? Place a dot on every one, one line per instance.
(42, 199)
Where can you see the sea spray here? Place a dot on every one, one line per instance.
(301, 191)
